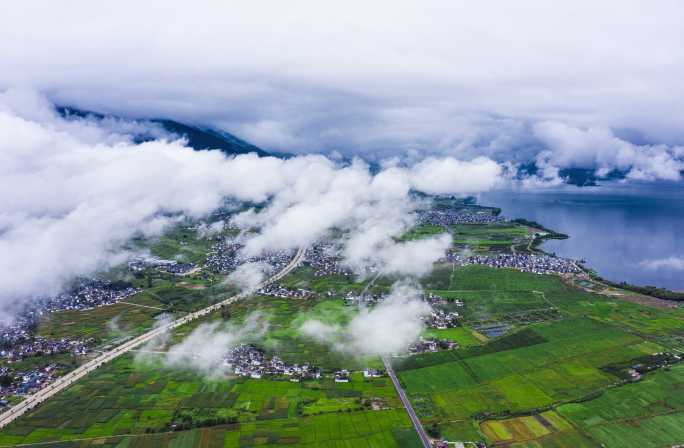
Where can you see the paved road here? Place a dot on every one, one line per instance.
(67, 380)
(425, 440)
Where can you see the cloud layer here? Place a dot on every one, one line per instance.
(388, 328)
(204, 349)
(74, 191)
(669, 263)
(439, 78)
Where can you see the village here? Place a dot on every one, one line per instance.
(249, 361)
(17, 338)
(325, 259)
(37, 346)
(278, 290)
(169, 266)
(25, 382)
(449, 217)
(537, 264)
(88, 294)
(224, 257)
(424, 345)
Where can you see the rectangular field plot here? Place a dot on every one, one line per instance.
(540, 430)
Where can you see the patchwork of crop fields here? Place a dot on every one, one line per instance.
(127, 399)
(554, 382)
(479, 238)
(554, 377)
(490, 237)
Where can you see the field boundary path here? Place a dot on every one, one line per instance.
(67, 380)
(424, 439)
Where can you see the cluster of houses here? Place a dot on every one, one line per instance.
(170, 266)
(278, 290)
(353, 299)
(656, 361)
(435, 300)
(249, 361)
(538, 264)
(431, 345)
(20, 329)
(224, 257)
(88, 294)
(36, 346)
(325, 259)
(438, 318)
(25, 382)
(441, 319)
(344, 376)
(449, 217)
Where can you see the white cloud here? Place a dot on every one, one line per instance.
(73, 192)
(599, 149)
(204, 349)
(670, 263)
(320, 331)
(388, 328)
(454, 78)
(247, 276)
(443, 176)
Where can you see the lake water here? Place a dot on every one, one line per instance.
(621, 232)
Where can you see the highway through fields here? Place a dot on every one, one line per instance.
(424, 439)
(67, 380)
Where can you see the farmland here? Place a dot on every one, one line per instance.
(128, 402)
(480, 238)
(545, 382)
(490, 237)
(538, 362)
(648, 413)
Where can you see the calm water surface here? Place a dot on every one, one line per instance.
(621, 232)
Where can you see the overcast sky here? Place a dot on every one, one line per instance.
(376, 78)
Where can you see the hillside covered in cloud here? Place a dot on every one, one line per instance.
(74, 191)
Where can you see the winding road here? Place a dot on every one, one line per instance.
(67, 380)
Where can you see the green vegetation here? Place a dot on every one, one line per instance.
(423, 231)
(535, 225)
(463, 336)
(133, 316)
(303, 277)
(180, 243)
(643, 414)
(143, 402)
(539, 363)
(521, 386)
(498, 237)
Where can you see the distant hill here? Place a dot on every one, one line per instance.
(204, 138)
(581, 177)
(199, 138)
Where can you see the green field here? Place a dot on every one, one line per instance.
(540, 366)
(423, 231)
(556, 375)
(179, 243)
(129, 317)
(649, 413)
(127, 402)
(499, 237)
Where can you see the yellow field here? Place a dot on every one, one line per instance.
(522, 429)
